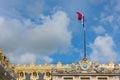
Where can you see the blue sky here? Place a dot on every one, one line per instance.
(47, 31)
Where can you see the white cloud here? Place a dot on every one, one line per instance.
(10, 30)
(110, 17)
(99, 30)
(21, 37)
(103, 49)
(48, 59)
(53, 35)
(24, 58)
(1, 20)
(22, 9)
(34, 9)
(107, 19)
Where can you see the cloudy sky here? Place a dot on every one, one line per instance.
(47, 31)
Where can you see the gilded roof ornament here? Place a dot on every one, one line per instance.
(1, 51)
(111, 66)
(32, 64)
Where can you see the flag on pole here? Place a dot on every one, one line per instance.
(80, 17)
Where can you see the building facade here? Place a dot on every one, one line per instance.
(83, 70)
(86, 70)
(5, 72)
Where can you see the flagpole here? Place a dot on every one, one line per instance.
(84, 39)
(81, 17)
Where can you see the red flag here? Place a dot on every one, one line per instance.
(80, 16)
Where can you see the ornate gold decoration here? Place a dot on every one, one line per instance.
(97, 64)
(0, 55)
(111, 66)
(1, 51)
(84, 64)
